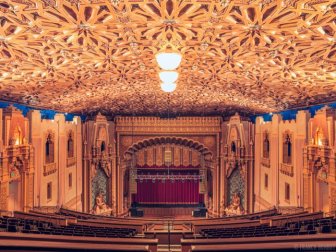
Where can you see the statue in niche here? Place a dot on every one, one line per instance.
(100, 206)
(235, 207)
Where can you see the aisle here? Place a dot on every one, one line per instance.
(172, 248)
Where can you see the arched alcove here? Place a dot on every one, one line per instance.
(186, 157)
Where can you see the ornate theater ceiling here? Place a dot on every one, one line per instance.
(249, 56)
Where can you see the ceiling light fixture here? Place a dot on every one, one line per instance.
(168, 61)
(168, 76)
(168, 87)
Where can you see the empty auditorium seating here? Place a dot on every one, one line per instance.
(305, 226)
(292, 243)
(44, 242)
(259, 228)
(274, 233)
(12, 224)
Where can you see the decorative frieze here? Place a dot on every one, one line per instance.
(171, 125)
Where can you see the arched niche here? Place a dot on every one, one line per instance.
(16, 192)
(100, 183)
(181, 149)
(168, 140)
(236, 185)
(234, 140)
(266, 144)
(101, 140)
(17, 136)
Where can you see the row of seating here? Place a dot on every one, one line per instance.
(306, 227)
(257, 231)
(78, 215)
(12, 224)
(253, 216)
(322, 225)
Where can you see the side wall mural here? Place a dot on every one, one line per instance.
(99, 185)
(236, 185)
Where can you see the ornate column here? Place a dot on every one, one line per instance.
(114, 180)
(28, 177)
(222, 185)
(4, 182)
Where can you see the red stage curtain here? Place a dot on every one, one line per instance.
(182, 192)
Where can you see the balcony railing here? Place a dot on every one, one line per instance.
(266, 162)
(49, 169)
(71, 161)
(287, 169)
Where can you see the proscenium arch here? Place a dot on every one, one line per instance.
(169, 140)
(201, 148)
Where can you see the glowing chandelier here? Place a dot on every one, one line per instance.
(168, 62)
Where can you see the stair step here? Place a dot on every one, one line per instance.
(165, 248)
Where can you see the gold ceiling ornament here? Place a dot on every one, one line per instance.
(53, 42)
(115, 2)
(225, 3)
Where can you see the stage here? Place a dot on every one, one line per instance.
(167, 211)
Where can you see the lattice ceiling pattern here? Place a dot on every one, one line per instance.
(95, 55)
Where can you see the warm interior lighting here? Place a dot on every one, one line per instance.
(17, 141)
(168, 87)
(168, 61)
(319, 142)
(168, 76)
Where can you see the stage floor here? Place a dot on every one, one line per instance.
(169, 212)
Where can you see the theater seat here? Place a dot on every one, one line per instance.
(325, 229)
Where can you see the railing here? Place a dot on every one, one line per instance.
(287, 169)
(266, 162)
(330, 214)
(298, 219)
(6, 213)
(289, 210)
(71, 161)
(49, 169)
(170, 224)
(47, 209)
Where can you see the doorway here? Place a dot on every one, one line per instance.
(322, 197)
(14, 199)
